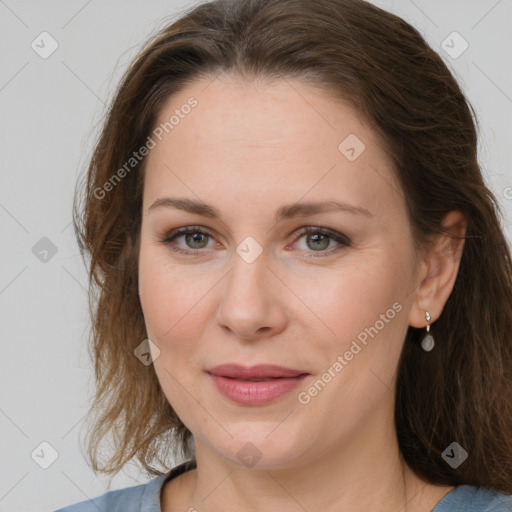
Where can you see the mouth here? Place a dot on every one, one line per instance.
(256, 385)
(256, 373)
(252, 380)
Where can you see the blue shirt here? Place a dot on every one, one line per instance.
(146, 497)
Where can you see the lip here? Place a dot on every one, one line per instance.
(261, 371)
(227, 380)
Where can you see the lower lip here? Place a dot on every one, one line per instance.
(256, 393)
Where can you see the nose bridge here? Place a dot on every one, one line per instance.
(248, 268)
(246, 303)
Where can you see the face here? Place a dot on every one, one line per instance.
(325, 292)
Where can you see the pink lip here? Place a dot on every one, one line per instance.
(227, 381)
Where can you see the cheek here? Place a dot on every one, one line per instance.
(362, 307)
(368, 318)
(356, 295)
(169, 318)
(170, 299)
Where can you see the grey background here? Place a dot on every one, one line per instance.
(49, 110)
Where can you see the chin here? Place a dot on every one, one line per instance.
(255, 449)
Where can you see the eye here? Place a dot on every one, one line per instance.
(319, 239)
(195, 238)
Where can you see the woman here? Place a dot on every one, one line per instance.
(304, 289)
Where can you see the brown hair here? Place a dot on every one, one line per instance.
(379, 64)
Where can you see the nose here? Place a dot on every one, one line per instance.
(252, 302)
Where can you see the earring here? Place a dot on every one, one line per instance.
(427, 343)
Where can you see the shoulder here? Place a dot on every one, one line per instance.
(138, 498)
(130, 499)
(125, 500)
(468, 498)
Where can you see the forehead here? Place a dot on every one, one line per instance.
(257, 140)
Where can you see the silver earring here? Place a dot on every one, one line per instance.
(427, 343)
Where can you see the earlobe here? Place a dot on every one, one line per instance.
(439, 270)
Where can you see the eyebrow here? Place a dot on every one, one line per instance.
(285, 212)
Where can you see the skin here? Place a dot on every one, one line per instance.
(248, 148)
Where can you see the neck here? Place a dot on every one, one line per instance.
(365, 471)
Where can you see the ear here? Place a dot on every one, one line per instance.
(438, 271)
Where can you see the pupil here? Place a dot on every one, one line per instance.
(196, 237)
(323, 238)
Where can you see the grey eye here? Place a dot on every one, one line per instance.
(196, 240)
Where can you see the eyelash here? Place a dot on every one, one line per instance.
(342, 240)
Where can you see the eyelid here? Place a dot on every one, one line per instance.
(335, 235)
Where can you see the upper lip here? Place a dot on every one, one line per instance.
(262, 371)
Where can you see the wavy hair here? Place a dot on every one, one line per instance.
(383, 67)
